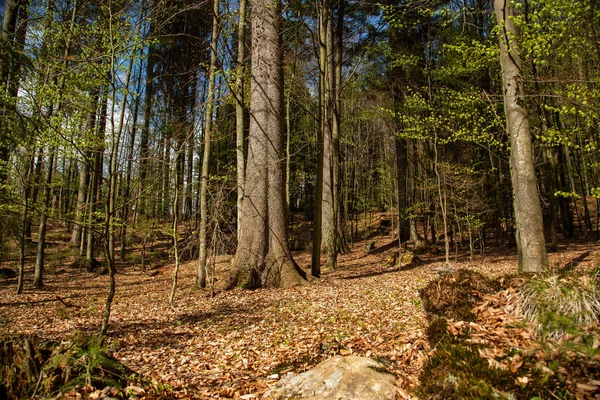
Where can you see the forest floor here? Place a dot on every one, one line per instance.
(238, 341)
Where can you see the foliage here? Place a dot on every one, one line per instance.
(31, 367)
(562, 304)
(486, 353)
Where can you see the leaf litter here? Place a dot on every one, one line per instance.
(235, 344)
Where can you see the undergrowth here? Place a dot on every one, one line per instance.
(78, 364)
(562, 304)
(564, 310)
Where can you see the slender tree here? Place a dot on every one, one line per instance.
(208, 127)
(531, 244)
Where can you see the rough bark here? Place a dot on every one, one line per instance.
(341, 242)
(96, 182)
(322, 152)
(129, 170)
(328, 200)
(11, 9)
(263, 257)
(239, 111)
(528, 214)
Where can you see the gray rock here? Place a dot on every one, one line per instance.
(338, 378)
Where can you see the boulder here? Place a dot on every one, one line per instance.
(338, 378)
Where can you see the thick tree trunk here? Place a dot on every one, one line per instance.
(331, 175)
(7, 61)
(263, 257)
(25, 219)
(239, 111)
(531, 244)
(341, 244)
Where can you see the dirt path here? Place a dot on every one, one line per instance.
(233, 342)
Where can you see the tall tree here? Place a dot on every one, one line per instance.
(239, 109)
(208, 127)
(531, 244)
(263, 257)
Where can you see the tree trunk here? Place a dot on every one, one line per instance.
(531, 244)
(201, 272)
(127, 189)
(328, 200)
(322, 152)
(239, 111)
(145, 131)
(84, 175)
(263, 257)
(94, 193)
(9, 44)
(38, 280)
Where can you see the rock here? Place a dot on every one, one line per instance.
(339, 378)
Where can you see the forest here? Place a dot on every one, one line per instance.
(212, 198)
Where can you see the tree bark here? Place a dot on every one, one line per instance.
(8, 47)
(201, 272)
(145, 131)
(84, 175)
(531, 244)
(239, 111)
(38, 280)
(96, 182)
(263, 257)
(328, 200)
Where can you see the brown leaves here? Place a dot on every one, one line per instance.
(233, 345)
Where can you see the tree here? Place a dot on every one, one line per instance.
(531, 245)
(208, 127)
(263, 257)
(239, 109)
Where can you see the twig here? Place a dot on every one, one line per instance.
(37, 385)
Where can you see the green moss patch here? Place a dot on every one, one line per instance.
(29, 367)
(466, 365)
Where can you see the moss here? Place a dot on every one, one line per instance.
(457, 371)
(76, 362)
(382, 370)
(437, 330)
(454, 295)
